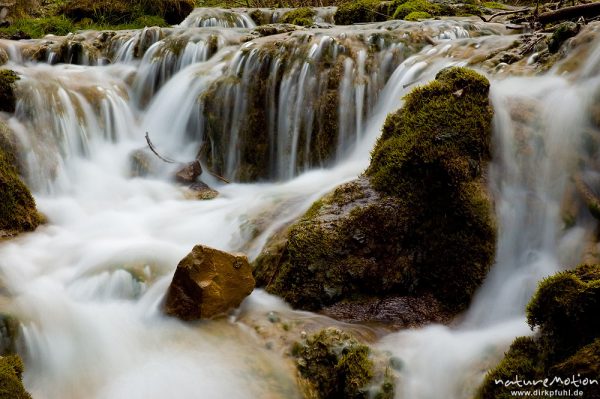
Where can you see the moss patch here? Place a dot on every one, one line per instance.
(565, 309)
(18, 212)
(337, 365)
(417, 15)
(413, 6)
(300, 16)
(39, 27)
(117, 12)
(359, 11)
(11, 374)
(8, 100)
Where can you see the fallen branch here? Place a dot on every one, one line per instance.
(219, 177)
(156, 152)
(587, 11)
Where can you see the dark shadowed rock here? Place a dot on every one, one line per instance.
(394, 312)
(208, 282)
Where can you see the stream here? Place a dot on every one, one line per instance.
(87, 287)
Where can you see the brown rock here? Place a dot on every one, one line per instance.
(189, 173)
(208, 282)
(202, 191)
(398, 312)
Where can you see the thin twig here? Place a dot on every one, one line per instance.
(156, 152)
(167, 160)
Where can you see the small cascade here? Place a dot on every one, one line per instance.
(217, 18)
(62, 111)
(542, 129)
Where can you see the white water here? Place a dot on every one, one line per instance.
(529, 177)
(87, 287)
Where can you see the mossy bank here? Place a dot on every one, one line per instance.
(567, 343)
(419, 223)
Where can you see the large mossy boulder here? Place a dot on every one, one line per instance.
(418, 224)
(565, 310)
(207, 283)
(18, 212)
(11, 375)
(8, 100)
(334, 364)
(116, 12)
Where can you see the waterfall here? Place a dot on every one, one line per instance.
(539, 128)
(289, 117)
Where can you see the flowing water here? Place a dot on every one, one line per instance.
(87, 287)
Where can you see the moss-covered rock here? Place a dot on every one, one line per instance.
(336, 365)
(18, 212)
(359, 11)
(8, 100)
(300, 16)
(417, 15)
(565, 309)
(116, 12)
(413, 6)
(563, 32)
(11, 375)
(420, 222)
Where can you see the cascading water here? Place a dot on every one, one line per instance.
(87, 287)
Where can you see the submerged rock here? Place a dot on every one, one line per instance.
(334, 364)
(565, 310)
(11, 376)
(419, 224)
(202, 191)
(141, 163)
(208, 282)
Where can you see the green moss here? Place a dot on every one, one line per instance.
(336, 364)
(8, 100)
(300, 16)
(39, 27)
(121, 12)
(413, 6)
(11, 374)
(17, 207)
(359, 11)
(495, 5)
(522, 359)
(466, 10)
(564, 31)
(417, 15)
(428, 228)
(445, 125)
(565, 308)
